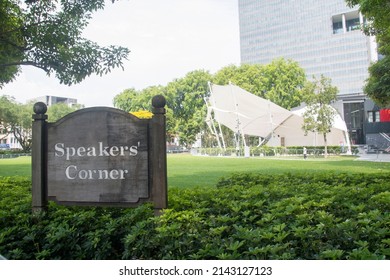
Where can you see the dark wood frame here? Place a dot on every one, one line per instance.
(157, 162)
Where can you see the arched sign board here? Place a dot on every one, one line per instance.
(100, 156)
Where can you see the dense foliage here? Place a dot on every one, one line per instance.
(186, 107)
(246, 216)
(48, 35)
(60, 110)
(378, 14)
(15, 119)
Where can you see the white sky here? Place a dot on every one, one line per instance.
(167, 39)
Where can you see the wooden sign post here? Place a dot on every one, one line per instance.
(100, 157)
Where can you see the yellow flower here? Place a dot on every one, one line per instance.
(142, 114)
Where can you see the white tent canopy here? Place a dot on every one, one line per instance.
(248, 114)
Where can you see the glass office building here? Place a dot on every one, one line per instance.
(324, 37)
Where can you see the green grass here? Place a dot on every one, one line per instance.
(188, 171)
(20, 166)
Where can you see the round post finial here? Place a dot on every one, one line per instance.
(159, 101)
(40, 108)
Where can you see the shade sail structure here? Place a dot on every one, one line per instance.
(290, 133)
(248, 114)
(244, 112)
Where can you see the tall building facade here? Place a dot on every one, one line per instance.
(324, 37)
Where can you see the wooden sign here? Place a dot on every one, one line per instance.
(100, 156)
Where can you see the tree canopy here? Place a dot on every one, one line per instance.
(280, 81)
(15, 119)
(378, 14)
(60, 110)
(47, 34)
(186, 98)
(186, 108)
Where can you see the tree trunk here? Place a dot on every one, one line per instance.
(23, 138)
(326, 146)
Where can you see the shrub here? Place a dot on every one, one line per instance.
(247, 216)
(62, 232)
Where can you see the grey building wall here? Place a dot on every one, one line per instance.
(323, 36)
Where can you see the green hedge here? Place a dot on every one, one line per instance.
(11, 151)
(246, 216)
(273, 151)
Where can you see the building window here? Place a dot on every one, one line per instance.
(337, 27)
(354, 115)
(377, 116)
(373, 116)
(370, 117)
(347, 22)
(353, 24)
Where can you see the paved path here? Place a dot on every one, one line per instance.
(374, 157)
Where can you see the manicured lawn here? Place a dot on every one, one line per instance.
(20, 166)
(188, 171)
